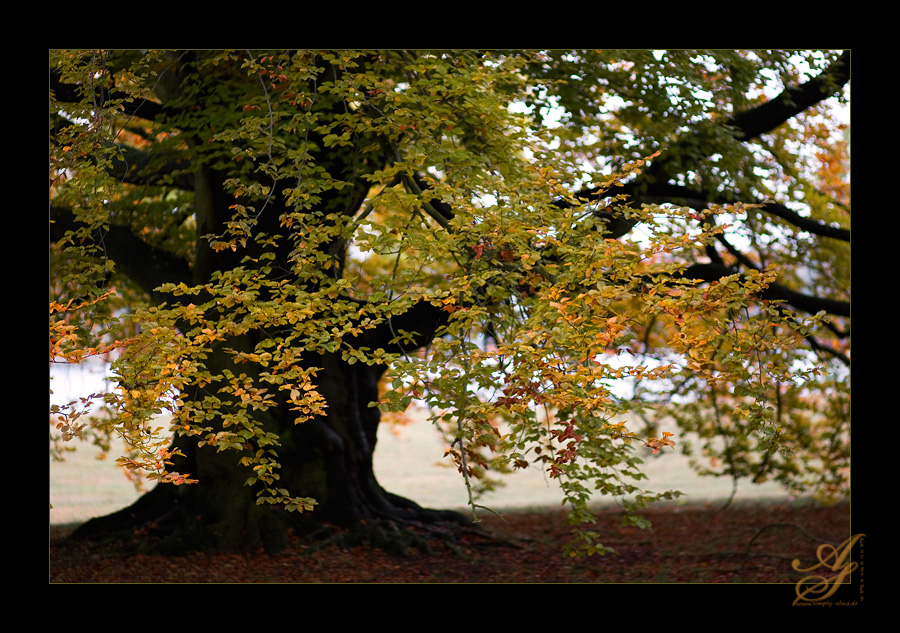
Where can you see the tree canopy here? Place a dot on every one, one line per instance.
(553, 251)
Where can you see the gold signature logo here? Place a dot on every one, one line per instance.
(836, 567)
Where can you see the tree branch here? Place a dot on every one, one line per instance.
(792, 101)
(775, 292)
(422, 319)
(135, 167)
(147, 266)
(74, 93)
(806, 224)
(677, 194)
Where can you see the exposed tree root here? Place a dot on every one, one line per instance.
(159, 524)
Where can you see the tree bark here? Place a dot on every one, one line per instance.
(329, 458)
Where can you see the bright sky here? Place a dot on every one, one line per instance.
(69, 382)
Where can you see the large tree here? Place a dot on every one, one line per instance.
(552, 250)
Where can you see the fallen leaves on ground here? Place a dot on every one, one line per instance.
(686, 544)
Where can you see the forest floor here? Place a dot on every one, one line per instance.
(744, 543)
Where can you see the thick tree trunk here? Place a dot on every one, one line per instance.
(328, 458)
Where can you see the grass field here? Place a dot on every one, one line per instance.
(408, 462)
